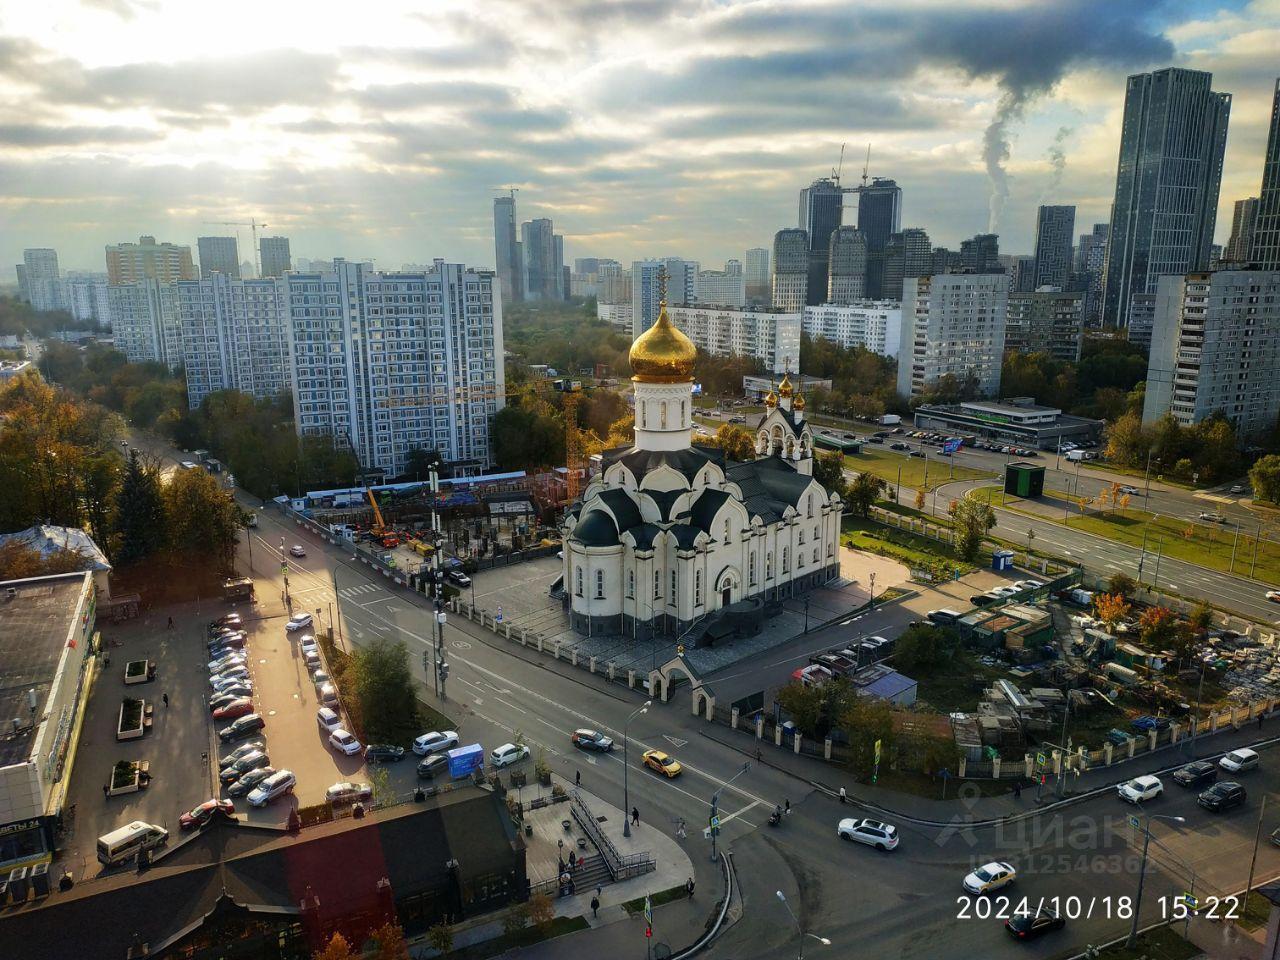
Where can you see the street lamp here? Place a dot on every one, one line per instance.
(626, 797)
(799, 929)
(1142, 870)
(713, 820)
(872, 601)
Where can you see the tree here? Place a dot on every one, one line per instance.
(1156, 626)
(202, 520)
(920, 499)
(1121, 584)
(1264, 477)
(337, 949)
(140, 518)
(1110, 608)
(542, 912)
(515, 920)
(388, 943)
(864, 721)
(440, 936)
(19, 561)
(972, 518)
(1201, 618)
(384, 690)
(737, 442)
(828, 470)
(1127, 442)
(863, 492)
(919, 649)
(805, 706)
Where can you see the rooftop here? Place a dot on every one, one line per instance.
(36, 619)
(47, 539)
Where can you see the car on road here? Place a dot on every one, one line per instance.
(328, 720)
(241, 751)
(990, 878)
(199, 816)
(1213, 517)
(223, 697)
(1196, 774)
(236, 708)
(663, 763)
(348, 791)
(297, 622)
(508, 754)
(882, 836)
(1141, 789)
(435, 742)
(1223, 795)
(383, 753)
(1130, 490)
(249, 723)
(1239, 761)
(1028, 926)
(344, 742)
(250, 761)
(1239, 488)
(297, 551)
(458, 578)
(432, 764)
(591, 740)
(249, 780)
(1273, 595)
(279, 784)
(899, 445)
(917, 453)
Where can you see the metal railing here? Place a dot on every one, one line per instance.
(620, 867)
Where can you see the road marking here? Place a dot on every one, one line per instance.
(738, 813)
(675, 741)
(505, 703)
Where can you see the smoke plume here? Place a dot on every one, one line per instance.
(1057, 155)
(995, 152)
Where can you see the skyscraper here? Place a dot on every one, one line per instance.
(821, 212)
(756, 270)
(1055, 228)
(879, 217)
(557, 267)
(44, 280)
(538, 249)
(847, 266)
(506, 247)
(907, 254)
(218, 255)
(1266, 231)
(1091, 259)
(981, 253)
(790, 269)
(952, 325)
(647, 279)
(274, 254)
(148, 260)
(1167, 181)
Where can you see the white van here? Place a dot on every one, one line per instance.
(124, 844)
(277, 785)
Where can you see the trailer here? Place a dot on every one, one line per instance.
(464, 761)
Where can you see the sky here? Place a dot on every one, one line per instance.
(642, 127)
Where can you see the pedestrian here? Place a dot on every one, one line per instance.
(758, 754)
(165, 697)
(844, 798)
(598, 891)
(1017, 789)
(170, 627)
(577, 778)
(1259, 721)
(595, 905)
(573, 862)
(688, 887)
(635, 816)
(787, 803)
(104, 791)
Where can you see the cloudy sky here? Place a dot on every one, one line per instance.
(643, 127)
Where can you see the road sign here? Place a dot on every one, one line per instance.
(1190, 900)
(498, 618)
(1135, 822)
(648, 914)
(1041, 759)
(715, 823)
(877, 751)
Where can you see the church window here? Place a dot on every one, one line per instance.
(799, 559)
(751, 568)
(577, 581)
(631, 583)
(599, 584)
(786, 566)
(644, 413)
(728, 531)
(831, 551)
(809, 505)
(801, 540)
(662, 415)
(768, 566)
(815, 554)
(815, 531)
(657, 585)
(697, 588)
(672, 601)
(683, 421)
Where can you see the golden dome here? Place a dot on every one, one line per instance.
(785, 389)
(662, 354)
(771, 400)
(798, 403)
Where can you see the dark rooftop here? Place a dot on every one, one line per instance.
(35, 622)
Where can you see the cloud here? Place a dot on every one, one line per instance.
(41, 135)
(451, 94)
(124, 9)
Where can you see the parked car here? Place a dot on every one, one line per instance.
(1141, 789)
(348, 791)
(1239, 761)
(1196, 774)
(297, 551)
(236, 708)
(508, 754)
(250, 761)
(432, 764)
(1028, 926)
(222, 682)
(228, 641)
(1239, 488)
(882, 836)
(198, 816)
(990, 878)
(222, 698)
(298, 621)
(663, 763)
(383, 753)
(248, 781)
(279, 784)
(328, 695)
(435, 742)
(328, 720)
(249, 723)
(344, 742)
(225, 662)
(591, 740)
(241, 751)
(1222, 796)
(226, 620)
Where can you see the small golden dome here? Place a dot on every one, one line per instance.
(662, 354)
(771, 400)
(785, 389)
(798, 403)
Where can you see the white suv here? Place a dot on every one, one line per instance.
(507, 754)
(344, 742)
(278, 784)
(1140, 789)
(328, 720)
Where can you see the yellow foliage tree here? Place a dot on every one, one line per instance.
(1111, 608)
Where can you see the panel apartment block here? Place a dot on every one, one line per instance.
(771, 336)
(952, 323)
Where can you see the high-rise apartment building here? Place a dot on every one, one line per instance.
(875, 325)
(1091, 259)
(1046, 321)
(733, 268)
(148, 260)
(821, 213)
(86, 298)
(907, 254)
(507, 249)
(44, 279)
(1167, 181)
(952, 325)
(542, 251)
(648, 278)
(846, 266)
(1240, 246)
(557, 265)
(235, 336)
(946, 261)
(756, 270)
(722, 288)
(1266, 231)
(144, 322)
(790, 270)
(218, 255)
(1215, 347)
(879, 217)
(770, 336)
(1021, 271)
(394, 362)
(981, 253)
(20, 270)
(613, 284)
(275, 257)
(1055, 229)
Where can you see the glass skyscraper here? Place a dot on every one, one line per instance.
(1266, 228)
(879, 217)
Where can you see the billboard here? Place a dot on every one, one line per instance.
(951, 445)
(463, 761)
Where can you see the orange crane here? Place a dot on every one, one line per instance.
(574, 458)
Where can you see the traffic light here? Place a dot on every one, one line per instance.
(444, 671)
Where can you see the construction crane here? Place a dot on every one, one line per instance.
(574, 459)
(254, 224)
(510, 189)
(835, 171)
(866, 165)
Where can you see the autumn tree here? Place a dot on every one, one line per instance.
(542, 912)
(336, 949)
(202, 519)
(440, 936)
(863, 493)
(1122, 584)
(736, 442)
(19, 561)
(140, 516)
(387, 943)
(1110, 608)
(972, 518)
(920, 499)
(1156, 626)
(828, 470)
(1264, 477)
(865, 720)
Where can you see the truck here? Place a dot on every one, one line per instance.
(1075, 456)
(889, 420)
(838, 662)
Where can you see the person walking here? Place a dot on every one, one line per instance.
(1017, 789)
(844, 797)
(595, 905)
(104, 792)
(635, 816)
(577, 778)
(688, 887)
(170, 627)
(165, 697)
(1259, 721)
(787, 805)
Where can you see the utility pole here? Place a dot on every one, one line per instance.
(440, 671)
(713, 821)
(1142, 871)
(1262, 809)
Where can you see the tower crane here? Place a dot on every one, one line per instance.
(509, 188)
(254, 224)
(835, 173)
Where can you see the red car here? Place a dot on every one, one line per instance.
(236, 708)
(202, 814)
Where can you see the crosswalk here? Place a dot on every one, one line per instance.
(351, 593)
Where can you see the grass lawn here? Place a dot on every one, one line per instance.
(1099, 466)
(636, 906)
(526, 937)
(884, 464)
(917, 552)
(1162, 943)
(957, 684)
(1257, 910)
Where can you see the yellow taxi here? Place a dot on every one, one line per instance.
(662, 762)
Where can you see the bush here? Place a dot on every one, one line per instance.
(515, 920)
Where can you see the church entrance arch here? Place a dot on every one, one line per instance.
(660, 681)
(728, 584)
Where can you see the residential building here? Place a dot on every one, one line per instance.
(617, 315)
(756, 270)
(1240, 245)
(144, 322)
(148, 260)
(733, 268)
(538, 252)
(1055, 228)
(1046, 321)
(396, 362)
(650, 279)
(218, 255)
(583, 285)
(15, 368)
(86, 298)
(873, 324)
(1091, 260)
(846, 265)
(879, 217)
(770, 336)
(1142, 319)
(20, 271)
(821, 213)
(790, 270)
(1167, 182)
(44, 279)
(1021, 271)
(274, 254)
(613, 284)
(721, 287)
(907, 254)
(557, 265)
(1266, 233)
(1215, 347)
(981, 253)
(235, 336)
(952, 324)
(946, 261)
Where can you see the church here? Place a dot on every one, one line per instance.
(669, 532)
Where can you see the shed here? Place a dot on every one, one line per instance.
(892, 686)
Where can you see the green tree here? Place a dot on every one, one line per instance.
(18, 561)
(140, 514)
(1121, 584)
(202, 520)
(972, 517)
(737, 442)
(920, 649)
(1126, 440)
(440, 936)
(1264, 477)
(864, 721)
(515, 920)
(804, 705)
(828, 470)
(384, 689)
(863, 492)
